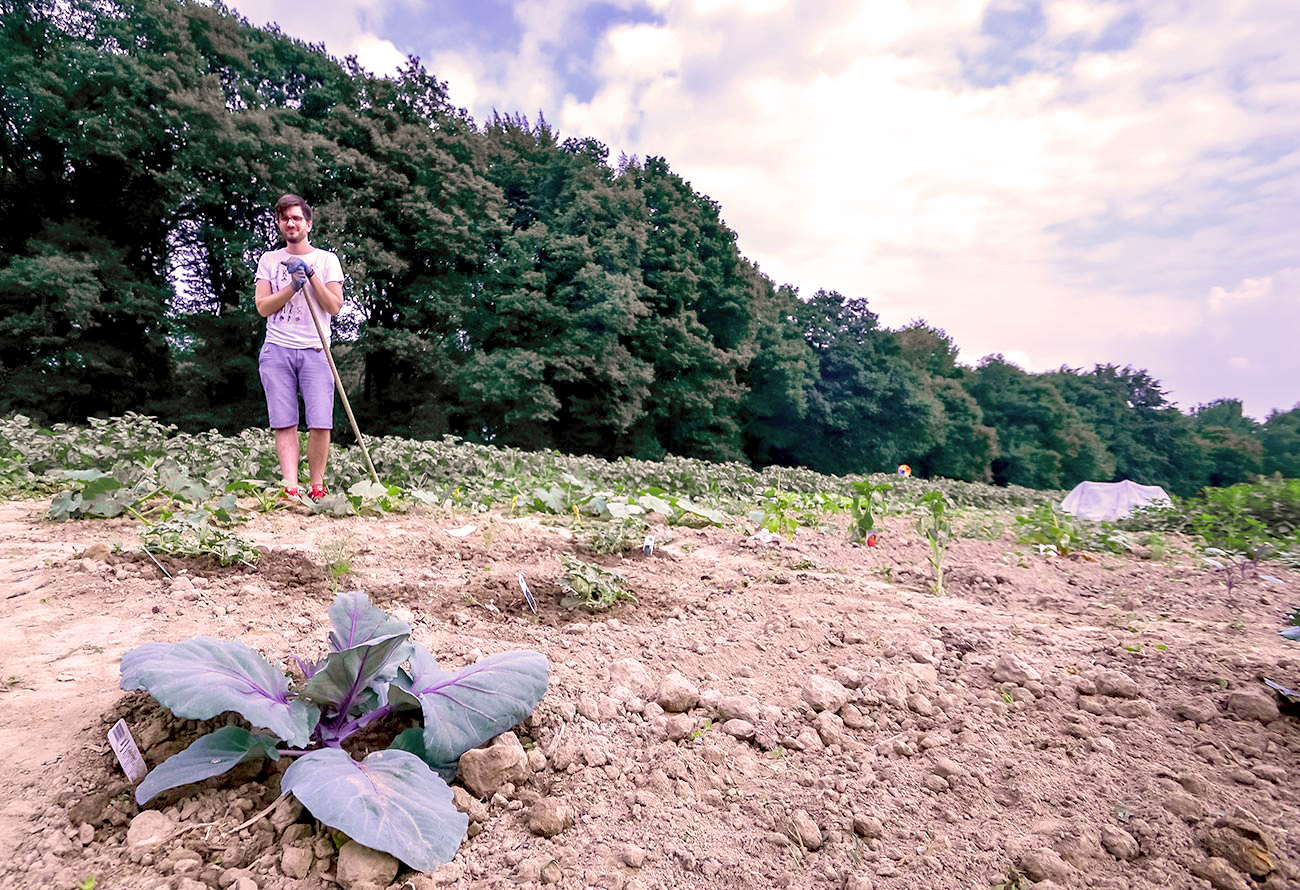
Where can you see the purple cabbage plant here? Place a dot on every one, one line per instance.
(396, 800)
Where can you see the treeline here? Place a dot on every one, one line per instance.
(505, 285)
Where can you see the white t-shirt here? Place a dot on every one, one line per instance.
(290, 326)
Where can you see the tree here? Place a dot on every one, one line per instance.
(1228, 439)
(867, 410)
(554, 326)
(1280, 439)
(779, 376)
(1042, 441)
(83, 286)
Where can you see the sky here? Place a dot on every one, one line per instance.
(1064, 183)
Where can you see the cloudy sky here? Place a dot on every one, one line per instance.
(1065, 182)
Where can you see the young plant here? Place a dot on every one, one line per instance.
(591, 587)
(194, 536)
(1050, 529)
(396, 800)
(937, 531)
(862, 508)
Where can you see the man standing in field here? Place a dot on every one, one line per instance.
(292, 360)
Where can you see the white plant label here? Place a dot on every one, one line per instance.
(128, 754)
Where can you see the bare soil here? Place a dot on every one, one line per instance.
(1087, 722)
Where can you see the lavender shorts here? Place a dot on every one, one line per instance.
(285, 373)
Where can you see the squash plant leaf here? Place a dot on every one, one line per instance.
(202, 677)
(391, 801)
(210, 755)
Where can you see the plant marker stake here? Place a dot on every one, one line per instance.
(528, 595)
(128, 754)
(338, 381)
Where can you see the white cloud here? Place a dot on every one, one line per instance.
(1252, 290)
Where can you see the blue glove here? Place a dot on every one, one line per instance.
(299, 270)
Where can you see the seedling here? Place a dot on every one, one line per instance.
(937, 531)
(590, 586)
(397, 799)
(862, 507)
(338, 562)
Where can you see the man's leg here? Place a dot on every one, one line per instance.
(279, 373)
(317, 384)
(318, 453)
(286, 448)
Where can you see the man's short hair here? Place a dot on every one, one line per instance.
(282, 207)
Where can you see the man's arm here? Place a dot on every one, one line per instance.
(268, 301)
(329, 297)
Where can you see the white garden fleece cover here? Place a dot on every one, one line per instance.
(1110, 500)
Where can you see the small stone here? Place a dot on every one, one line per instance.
(739, 707)
(633, 856)
(296, 862)
(484, 771)
(1134, 710)
(1184, 806)
(1012, 669)
(853, 717)
(1117, 684)
(1220, 874)
(1241, 842)
(824, 694)
(231, 876)
(1046, 865)
(550, 816)
(679, 726)
(1253, 704)
(868, 826)
(287, 812)
(677, 694)
(534, 870)
(149, 830)
(358, 864)
(1197, 710)
(804, 831)
(847, 677)
(830, 728)
(920, 704)
(1119, 843)
(739, 729)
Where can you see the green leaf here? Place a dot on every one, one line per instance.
(346, 674)
(210, 755)
(391, 801)
(462, 710)
(202, 677)
(356, 621)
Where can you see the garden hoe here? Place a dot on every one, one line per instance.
(338, 381)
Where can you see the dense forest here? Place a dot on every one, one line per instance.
(505, 284)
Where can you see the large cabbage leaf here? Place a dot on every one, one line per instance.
(202, 677)
(209, 755)
(462, 710)
(391, 801)
(357, 621)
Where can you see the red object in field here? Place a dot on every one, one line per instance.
(871, 540)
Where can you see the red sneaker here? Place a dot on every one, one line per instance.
(292, 493)
(317, 492)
